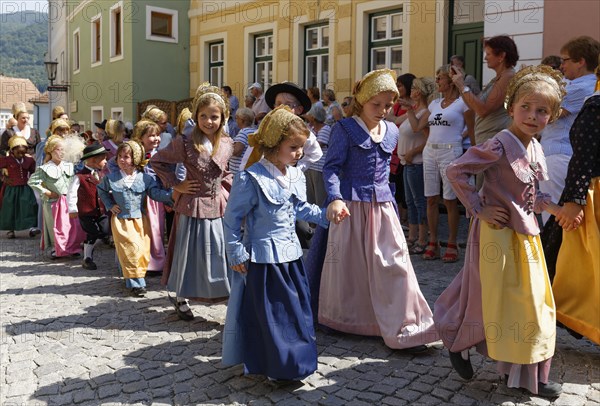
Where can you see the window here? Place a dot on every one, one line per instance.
(76, 47)
(316, 63)
(215, 65)
(116, 113)
(385, 40)
(263, 59)
(116, 31)
(162, 24)
(96, 40)
(97, 116)
(4, 119)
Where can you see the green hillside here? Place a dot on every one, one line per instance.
(23, 42)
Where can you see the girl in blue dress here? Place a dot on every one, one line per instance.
(269, 324)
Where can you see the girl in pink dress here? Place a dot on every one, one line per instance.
(501, 301)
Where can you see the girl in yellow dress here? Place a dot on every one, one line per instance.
(501, 301)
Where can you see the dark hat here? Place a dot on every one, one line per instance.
(101, 125)
(287, 87)
(93, 150)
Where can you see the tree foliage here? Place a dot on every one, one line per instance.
(23, 43)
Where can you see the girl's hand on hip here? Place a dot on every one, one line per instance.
(188, 187)
(115, 209)
(495, 215)
(241, 268)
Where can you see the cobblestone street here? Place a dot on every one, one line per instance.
(71, 336)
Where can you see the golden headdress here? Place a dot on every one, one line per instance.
(184, 116)
(272, 129)
(541, 73)
(51, 143)
(206, 90)
(374, 82)
(16, 141)
(18, 108)
(57, 111)
(59, 122)
(137, 151)
(153, 113)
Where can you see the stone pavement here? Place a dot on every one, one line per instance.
(71, 336)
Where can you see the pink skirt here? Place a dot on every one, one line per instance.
(368, 284)
(156, 217)
(60, 231)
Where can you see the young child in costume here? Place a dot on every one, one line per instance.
(52, 179)
(370, 247)
(148, 133)
(270, 301)
(501, 301)
(124, 193)
(199, 268)
(85, 204)
(18, 208)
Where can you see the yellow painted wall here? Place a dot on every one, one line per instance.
(210, 19)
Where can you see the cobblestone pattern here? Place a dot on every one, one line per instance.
(71, 336)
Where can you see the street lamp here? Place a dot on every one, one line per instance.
(51, 67)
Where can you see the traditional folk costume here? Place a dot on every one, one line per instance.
(84, 200)
(198, 268)
(63, 234)
(30, 135)
(269, 324)
(130, 228)
(501, 301)
(576, 286)
(156, 217)
(18, 207)
(367, 254)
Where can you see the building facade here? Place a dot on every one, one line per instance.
(124, 52)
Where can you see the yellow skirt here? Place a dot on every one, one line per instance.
(132, 243)
(577, 282)
(518, 309)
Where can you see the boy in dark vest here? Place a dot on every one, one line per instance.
(83, 201)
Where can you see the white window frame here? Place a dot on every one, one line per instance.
(174, 39)
(76, 51)
(219, 63)
(96, 18)
(93, 120)
(364, 11)
(266, 59)
(386, 46)
(113, 27)
(116, 110)
(322, 52)
(250, 33)
(4, 117)
(81, 126)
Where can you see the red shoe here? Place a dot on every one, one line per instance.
(432, 251)
(451, 254)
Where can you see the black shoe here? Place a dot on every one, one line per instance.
(550, 389)
(10, 235)
(419, 349)
(34, 231)
(184, 315)
(89, 264)
(462, 366)
(139, 292)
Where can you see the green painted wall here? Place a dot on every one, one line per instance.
(148, 69)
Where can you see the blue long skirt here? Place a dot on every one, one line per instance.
(269, 325)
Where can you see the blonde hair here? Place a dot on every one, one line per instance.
(115, 129)
(153, 113)
(51, 144)
(142, 127)
(206, 100)
(425, 86)
(373, 83)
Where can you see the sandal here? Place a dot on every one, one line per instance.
(10, 235)
(432, 251)
(417, 249)
(451, 254)
(411, 242)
